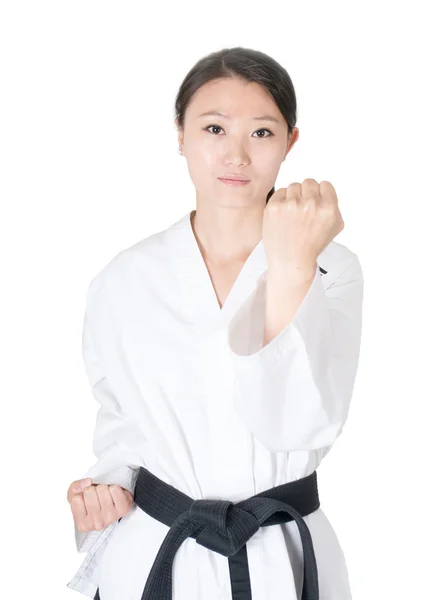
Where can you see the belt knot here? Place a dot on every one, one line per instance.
(226, 528)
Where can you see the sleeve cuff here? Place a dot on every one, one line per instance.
(125, 477)
(282, 389)
(246, 329)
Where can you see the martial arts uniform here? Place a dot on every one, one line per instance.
(191, 400)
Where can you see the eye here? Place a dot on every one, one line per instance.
(262, 129)
(268, 130)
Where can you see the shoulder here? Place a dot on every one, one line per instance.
(337, 261)
(119, 270)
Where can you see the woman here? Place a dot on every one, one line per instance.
(223, 353)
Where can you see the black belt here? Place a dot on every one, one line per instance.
(225, 527)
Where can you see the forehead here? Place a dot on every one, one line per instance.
(233, 98)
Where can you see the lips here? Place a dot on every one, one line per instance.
(234, 182)
(235, 178)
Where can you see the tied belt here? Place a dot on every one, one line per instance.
(225, 527)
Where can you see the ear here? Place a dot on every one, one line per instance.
(179, 129)
(179, 134)
(294, 137)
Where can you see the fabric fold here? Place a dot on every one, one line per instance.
(117, 459)
(294, 393)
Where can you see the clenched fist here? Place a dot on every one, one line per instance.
(299, 222)
(97, 506)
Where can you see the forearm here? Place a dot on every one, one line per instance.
(285, 290)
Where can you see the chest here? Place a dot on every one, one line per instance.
(165, 323)
(223, 279)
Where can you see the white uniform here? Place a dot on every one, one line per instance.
(187, 391)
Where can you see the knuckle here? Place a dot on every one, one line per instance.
(290, 207)
(109, 517)
(93, 514)
(89, 491)
(102, 488)
(99, 523)
(272, 207)
(310, 203)
(294, 187)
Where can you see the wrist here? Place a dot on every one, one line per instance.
(294, 272)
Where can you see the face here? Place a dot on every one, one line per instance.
(237, 143)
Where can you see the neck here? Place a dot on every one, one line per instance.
(226, 237)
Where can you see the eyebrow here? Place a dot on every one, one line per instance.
(219, 114)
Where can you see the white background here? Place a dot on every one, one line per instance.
(89, 166)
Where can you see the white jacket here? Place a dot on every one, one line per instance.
(187, 390)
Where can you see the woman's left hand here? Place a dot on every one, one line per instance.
(299, 222)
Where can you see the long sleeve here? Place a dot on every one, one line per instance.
(294, 393)
(115, 437)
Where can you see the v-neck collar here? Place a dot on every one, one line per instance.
(197, 285)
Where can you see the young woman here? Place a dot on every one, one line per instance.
(223, 353)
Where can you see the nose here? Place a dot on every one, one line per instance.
(236, 153)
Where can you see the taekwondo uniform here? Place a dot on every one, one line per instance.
(217, 436)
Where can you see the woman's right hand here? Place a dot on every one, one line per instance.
(97, 506)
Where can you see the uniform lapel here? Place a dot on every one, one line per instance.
(197, 285)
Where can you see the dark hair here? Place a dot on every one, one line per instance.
(246, 64)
